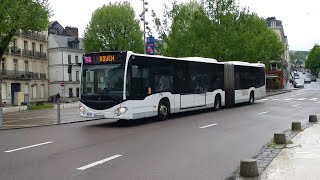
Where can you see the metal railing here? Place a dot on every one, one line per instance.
(21, 75)
(35, 54)
(34, 35)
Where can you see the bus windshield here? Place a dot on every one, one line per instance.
(105, 80)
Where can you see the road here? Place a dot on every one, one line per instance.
(200, 145)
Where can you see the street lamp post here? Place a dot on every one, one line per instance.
(143, 19)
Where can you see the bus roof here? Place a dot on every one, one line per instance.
(194, 59)
(241, 63)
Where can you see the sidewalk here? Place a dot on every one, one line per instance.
(287, 88)
(299, 160)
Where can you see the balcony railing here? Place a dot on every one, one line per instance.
(15, 50)
(21, 75)
(34, 35)
(33, 54)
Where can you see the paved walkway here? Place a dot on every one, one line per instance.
(300, 160)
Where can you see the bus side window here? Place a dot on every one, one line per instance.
(140, 78)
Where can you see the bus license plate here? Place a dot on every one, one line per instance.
(99, 115)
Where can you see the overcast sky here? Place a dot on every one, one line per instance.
(301, 19)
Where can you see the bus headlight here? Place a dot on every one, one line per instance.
(82, 110)
(120, 111)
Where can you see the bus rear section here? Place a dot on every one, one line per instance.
(245, 82)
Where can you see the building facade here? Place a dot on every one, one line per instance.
(65, 58)
(24, 69)
(280, 68)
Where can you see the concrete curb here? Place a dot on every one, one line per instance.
(277, 93)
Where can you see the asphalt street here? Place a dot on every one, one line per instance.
(199, 145)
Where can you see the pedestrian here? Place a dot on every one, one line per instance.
(58, 97)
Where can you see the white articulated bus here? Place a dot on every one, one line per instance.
(126, 85)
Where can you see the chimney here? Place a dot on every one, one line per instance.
(72, 31)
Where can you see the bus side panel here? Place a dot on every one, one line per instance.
(143, 108)
(260, 92)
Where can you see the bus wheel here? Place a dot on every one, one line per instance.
(163, 110)
(251, 100)
(217, 103)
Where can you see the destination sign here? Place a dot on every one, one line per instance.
(104, 58)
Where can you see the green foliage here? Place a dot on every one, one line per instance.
(216, 29)
(313, 60)
(21, 15)
(38, 107)
(114, 27)
(298, 55)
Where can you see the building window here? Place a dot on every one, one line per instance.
(70, 92)
(77, 75)
(26, 66)
(76, 59)
(4, 90)
(273, 23)
(69, 59)
(15, 65)
(78, 92)
(41, 48)
(70, 76)
(33, 47)
(3, 64)
(25, 45)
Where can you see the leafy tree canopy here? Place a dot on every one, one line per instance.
(113, 27)
(313, 60)
(217, 29)
(21, 15)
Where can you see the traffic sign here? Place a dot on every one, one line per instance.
(62, 84)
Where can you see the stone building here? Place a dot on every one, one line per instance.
(24, 68)
(65, 51)
(280, 68)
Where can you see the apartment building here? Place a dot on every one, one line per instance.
(279, 68)
(24, 68)
(65, 51)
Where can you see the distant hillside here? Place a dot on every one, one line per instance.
(298, 55)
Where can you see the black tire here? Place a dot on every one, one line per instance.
(217, 103)
(163, 110)
(251, 99)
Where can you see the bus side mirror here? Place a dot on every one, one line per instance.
(134, 70)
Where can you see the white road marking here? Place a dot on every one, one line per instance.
(276, 99)
(296, 105)
(313, 99)
(263, 99)
(301, 99)
(27, 147)
(208, 126)
(99, 162)
(264, 112)
(288, 99)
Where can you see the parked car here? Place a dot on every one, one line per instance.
(298, 83)
(307, 80)
(312, 78)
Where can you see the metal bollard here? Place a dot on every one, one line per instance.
(1, 116)
(58, 111)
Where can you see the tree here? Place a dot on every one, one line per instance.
(113, 27)
(313, 60)
(217, 29)
(23, 15)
